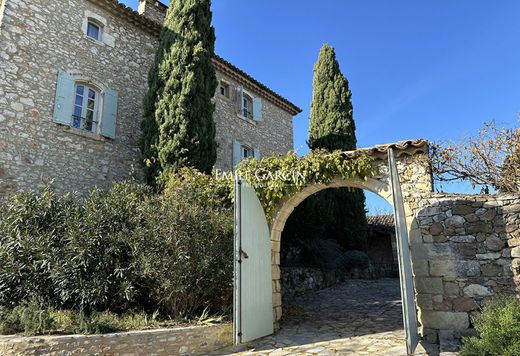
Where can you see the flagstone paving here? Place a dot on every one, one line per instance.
(357, 317)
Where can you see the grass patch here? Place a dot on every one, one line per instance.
(31, 319)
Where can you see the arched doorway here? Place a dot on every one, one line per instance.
(414, 177)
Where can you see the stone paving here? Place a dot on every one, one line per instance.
(357, 317)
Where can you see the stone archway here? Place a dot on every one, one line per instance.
(415, 178)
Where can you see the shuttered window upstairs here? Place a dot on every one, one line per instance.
(83, 106)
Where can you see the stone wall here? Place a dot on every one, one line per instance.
(198, 340)
(37, 39)
(297, 281)
(468, 252)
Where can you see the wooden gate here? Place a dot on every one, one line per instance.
(253, 298)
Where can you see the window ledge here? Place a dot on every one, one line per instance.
(227, 98)
(248, 120)
(83, 133)
(100, 43)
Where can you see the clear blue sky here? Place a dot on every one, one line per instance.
(417, 69)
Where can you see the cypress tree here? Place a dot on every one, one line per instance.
(332, 213)
(332, 124)
(178, 128)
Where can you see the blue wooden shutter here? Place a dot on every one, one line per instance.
(237, 154)
(257, 109)
(256, 153)
(64, 101)
(239, 100)
(108, 121)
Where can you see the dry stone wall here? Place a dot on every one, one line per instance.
(161, 342)
(468, 252)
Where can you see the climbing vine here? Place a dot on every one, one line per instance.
(278, 176)
(275, 177)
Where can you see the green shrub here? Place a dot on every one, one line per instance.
(97, 270)
(499, 330)
(118, 250)
(70, 253)
(188, 249)
(32, 238)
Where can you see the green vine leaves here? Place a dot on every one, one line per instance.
(279, 176)
(275, 177)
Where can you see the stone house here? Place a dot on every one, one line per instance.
(72, 78)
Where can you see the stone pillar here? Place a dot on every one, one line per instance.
(153, 10)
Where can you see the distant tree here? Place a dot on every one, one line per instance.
(333, 213)
(491, 159)
(178, 128)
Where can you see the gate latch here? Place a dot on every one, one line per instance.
(243, 254)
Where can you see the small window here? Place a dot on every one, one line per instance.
(224, 89)
(247, 107)
(94, 30)
(246, 152)
(85, 112)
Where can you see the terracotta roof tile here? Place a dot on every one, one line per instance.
(381, 220)
(401, 148)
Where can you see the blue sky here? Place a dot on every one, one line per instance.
(417, 69)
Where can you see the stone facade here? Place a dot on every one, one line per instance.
(39, 38)
(198, 340)
(468, 254)
(272, 135)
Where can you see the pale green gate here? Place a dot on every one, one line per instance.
(253, 298)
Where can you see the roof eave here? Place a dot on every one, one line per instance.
(154, 28)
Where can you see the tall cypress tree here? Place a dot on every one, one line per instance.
(332, 124)
(332, 213)
(178, 128)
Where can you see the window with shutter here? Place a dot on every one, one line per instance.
(257, 109)
(85, 111)
(108, 122)
(84, 106)
(247, 106)
(63, 103)
(237, 154)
